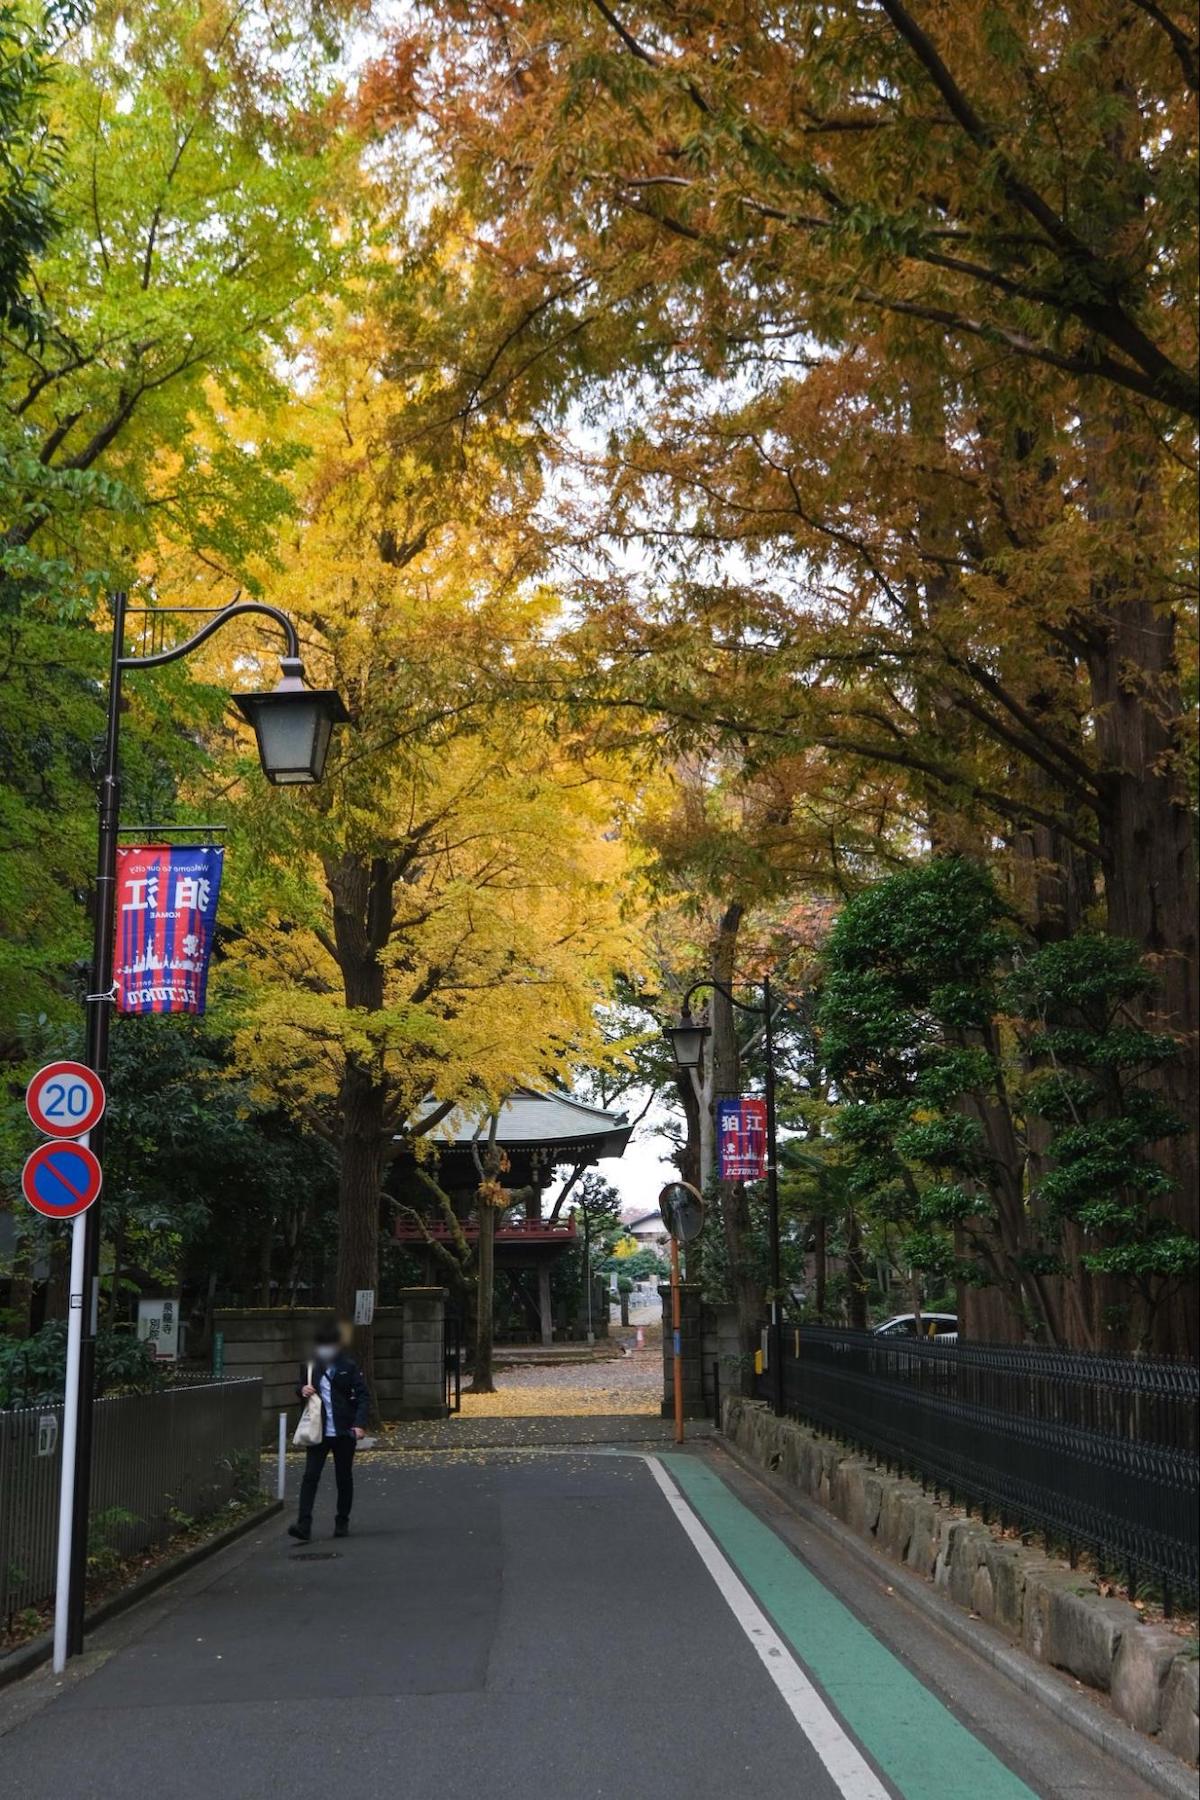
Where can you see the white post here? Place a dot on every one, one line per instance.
(66, 1492)
(281, 1477)
(587, 1258)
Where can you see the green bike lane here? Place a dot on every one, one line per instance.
(914, 1741)
(929, 1719)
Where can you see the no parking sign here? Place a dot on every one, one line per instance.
(60, 1180)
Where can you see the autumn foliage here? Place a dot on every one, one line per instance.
(739, 466)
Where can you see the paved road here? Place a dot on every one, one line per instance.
(566, 1625)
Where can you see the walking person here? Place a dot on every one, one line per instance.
(337, 1378)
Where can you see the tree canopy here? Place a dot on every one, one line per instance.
(740, 472)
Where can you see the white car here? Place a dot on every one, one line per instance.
(942, 1326)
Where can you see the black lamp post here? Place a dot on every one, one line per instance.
(687, 1045)
(293, 725)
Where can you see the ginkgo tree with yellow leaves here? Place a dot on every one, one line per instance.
(443, 915)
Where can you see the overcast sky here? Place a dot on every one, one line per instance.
(642, 1171)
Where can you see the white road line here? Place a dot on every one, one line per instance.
(851, 1773)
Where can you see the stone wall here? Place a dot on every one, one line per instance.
(273, 1341)
(1057, 1614)
(710, 1340)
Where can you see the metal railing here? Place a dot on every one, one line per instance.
(452, 1360)
(160, 1458)
(1098, 1452)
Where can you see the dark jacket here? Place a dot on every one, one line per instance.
(347, 1390)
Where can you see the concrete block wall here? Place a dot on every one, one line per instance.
(419, 1391)
(1058, 1615)
(691, 1311)
(710, 1336)
(273, 1341)
(722, 1346)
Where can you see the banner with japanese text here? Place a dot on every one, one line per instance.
(166, 911)
(742, 1139)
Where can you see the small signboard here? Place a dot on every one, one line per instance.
(742, 1139)
(47, 1438)
(364, 1306)
(65, 1099)
(158, 1327)
(60, 1180)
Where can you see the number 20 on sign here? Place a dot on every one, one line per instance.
(65, 1099)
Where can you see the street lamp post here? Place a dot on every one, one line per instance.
(293, 725)
(687, 1044)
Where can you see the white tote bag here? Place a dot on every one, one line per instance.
(311, 1428)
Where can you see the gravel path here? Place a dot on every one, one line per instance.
(629, 1384)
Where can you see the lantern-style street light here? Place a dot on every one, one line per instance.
(687, 1037)
(293, 725)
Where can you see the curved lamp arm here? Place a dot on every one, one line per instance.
(721, 988)
(232, 611)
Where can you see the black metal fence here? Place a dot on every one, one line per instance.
(452, 1360)
(159, 1458)
(1099, 1452)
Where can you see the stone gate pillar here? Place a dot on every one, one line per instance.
(691, 1359)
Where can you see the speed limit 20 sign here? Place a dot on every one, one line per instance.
(64, 1099)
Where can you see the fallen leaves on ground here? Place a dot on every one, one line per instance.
(573, 1390)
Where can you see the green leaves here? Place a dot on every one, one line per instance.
(1088, 973)
(929, 1035)
(30, 153)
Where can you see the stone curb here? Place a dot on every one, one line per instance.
(21, 1662)
(1156, 1767)
(1049, 1614)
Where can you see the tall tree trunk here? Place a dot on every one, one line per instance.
(265, 1248)
(482, 1379)
(118, 1266)
(359, 1186)
(1054, 884)
(690, 1156)
(856, 1276)
(362, 892)
(724, 1081)
(820, 1263)
(1150, 885)
(20, 1293)
(58, 1281)
(1147, 835)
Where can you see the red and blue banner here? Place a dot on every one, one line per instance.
(742, 1139)
(166, 912)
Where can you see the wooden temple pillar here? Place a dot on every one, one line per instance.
(545, 1305)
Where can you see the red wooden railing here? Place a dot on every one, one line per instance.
(513, 1231)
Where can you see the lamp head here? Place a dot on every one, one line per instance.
(293, 725)
(687, 1041)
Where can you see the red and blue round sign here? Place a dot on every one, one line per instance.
(65, 1099)
(60, 1180)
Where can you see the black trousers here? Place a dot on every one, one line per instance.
(343, 1469)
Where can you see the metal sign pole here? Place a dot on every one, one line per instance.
(677, 1340)
(99, 1016)
(70, 1432)
(775, 1341)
